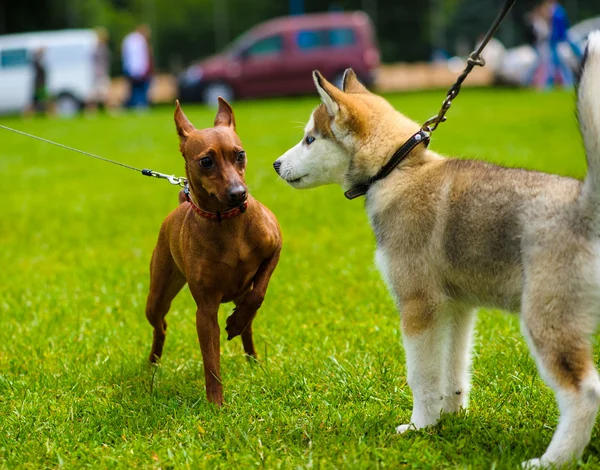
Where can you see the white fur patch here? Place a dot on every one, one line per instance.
(589, 114)
(320, 163)
(381, 262)
(577, 416)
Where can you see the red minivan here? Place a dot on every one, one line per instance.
(276, 58)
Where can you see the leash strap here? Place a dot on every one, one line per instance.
(424, 134)
(175, 180)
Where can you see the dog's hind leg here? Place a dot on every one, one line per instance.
(458, 358)
(425, 333)
(166, 280)
(248, 342)
(563, 352)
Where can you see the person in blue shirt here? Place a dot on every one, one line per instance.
(559, 26)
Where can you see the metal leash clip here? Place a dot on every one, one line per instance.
(432, 124)
(174, 180)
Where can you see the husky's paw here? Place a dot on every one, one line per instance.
(533, 463)
(405, 427)
(454, 403)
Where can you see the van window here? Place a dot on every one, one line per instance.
(14, 58)
(267, 46)
(313, 39)
(342, 37)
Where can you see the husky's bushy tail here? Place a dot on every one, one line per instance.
(588, 107)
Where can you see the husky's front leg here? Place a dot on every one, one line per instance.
(461, 320)
(425, 334)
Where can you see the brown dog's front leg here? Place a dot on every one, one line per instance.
(246, 308)
(208, 334)
(243, 314)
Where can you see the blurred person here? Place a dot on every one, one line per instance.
(559, 71)
(538, 32)
(138, 65)
(146, 31)
(40, 102)
(101, 62)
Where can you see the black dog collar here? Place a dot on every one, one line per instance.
(420, 137)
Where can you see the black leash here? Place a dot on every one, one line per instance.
(424, 134)
(176, 180)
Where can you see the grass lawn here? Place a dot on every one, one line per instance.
(76, 237)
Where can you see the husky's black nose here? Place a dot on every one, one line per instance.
(277, 166)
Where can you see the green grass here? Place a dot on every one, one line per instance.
(76, 237)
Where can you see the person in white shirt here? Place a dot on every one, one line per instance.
(137, 65)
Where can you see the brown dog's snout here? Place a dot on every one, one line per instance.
(237, 194)
(277, 166)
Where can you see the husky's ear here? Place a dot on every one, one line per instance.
(225, 115)
(350, 83)
(182, 124)
(330, 94)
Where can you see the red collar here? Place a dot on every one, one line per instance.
(218, 216)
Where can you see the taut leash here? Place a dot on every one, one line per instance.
(424, 134)
(175, 180)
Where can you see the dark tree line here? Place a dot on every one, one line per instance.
(185, 30)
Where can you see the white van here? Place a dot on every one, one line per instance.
(68, 58)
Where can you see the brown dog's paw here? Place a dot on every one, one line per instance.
(154, 358)
(215, 396)
(235, 325)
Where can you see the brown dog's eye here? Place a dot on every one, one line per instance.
(309, 139)
(206, 162)
(241, 157)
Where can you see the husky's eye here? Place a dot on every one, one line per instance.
(206, 162)
(309, 139)
(241, 157)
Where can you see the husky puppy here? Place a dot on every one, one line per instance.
(453, 235)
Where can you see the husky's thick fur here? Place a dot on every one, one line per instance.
(453, 235)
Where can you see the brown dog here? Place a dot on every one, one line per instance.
(219, 240)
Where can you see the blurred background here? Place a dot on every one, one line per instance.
(63, 56)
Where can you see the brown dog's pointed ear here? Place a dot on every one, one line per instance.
(329, 93)
(225, 115)
(351, 84)
(183, 125)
